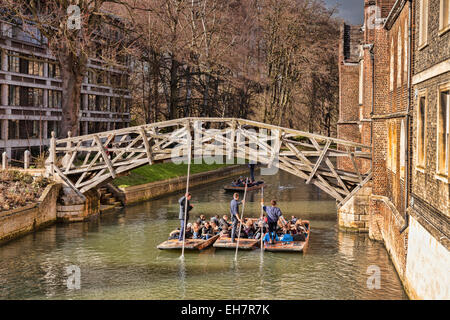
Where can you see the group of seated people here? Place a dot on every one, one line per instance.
(293, 230)
(240, 182)
(203, 229)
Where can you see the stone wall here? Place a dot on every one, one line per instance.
(72, 208)
(18, 222)
(160, 188)
(427, 267)
(354, 215)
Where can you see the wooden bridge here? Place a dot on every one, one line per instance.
(85, 162)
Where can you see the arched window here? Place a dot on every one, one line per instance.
(391, 83)
(402, 148)
(399, 57)
(423, 23)
(405, 63)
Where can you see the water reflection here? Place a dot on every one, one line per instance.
(118, 258)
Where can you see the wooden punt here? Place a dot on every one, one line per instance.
(294, 246)
(190, 244)
(242, 189)
(244, 244)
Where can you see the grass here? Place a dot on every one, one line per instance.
(162, 171)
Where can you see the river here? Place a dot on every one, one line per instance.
(117, 256)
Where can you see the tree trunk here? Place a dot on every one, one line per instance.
(173, 105)
(187, 103)
(206, 95)
(72, 78)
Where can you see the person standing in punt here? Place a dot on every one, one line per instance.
(182, 201)
(273, 215)
(234, 211)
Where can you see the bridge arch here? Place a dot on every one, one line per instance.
(85, 162)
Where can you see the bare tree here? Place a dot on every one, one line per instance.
(75, 31)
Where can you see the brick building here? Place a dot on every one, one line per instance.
(348, 126)
(30, 104)
(404, 111)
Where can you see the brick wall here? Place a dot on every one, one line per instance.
(387, 209)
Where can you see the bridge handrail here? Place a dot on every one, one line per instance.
(169, 123)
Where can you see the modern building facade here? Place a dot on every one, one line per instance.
(31, 94)
(403, 94)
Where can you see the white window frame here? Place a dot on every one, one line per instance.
(361, 82)
(443, 174)
(392, 146)
(421, 166)
(423, 23)
(402, 148)
(406, 51)
(392, 73)
(444, 26)
(399, 57)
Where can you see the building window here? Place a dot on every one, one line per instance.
(421, 130)
(54, 99)
(361, 81)
(25, 97)
(423, 23)
(443, 130)
(444, 17)
(391, 82)
(53, 70)
(36, 68)
(14, 96)
(91, 102)
(52, 126)
(91, 77)
(399, 58)
(405, 50)
(101, 103)
(13, 129)
(392, 147)
(402, 148)
(25, 64)
(29, 129)
(13, 63)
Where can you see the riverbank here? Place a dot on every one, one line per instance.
(20, 221)
(162, 172)
(48, 208)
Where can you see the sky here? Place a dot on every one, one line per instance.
(349, 10)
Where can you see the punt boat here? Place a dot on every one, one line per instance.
(293, 246)
(190, 244)
(242, 189)
(224, 242)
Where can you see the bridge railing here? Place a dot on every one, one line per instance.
(338, 167)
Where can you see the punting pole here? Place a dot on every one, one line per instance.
(240, 223)
(189, 142)
(262, 220)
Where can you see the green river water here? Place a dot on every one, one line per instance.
(118, 259)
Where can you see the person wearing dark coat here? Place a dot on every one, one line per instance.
(273, 214)
(182, 203)
(252, 172)
(234, 211)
